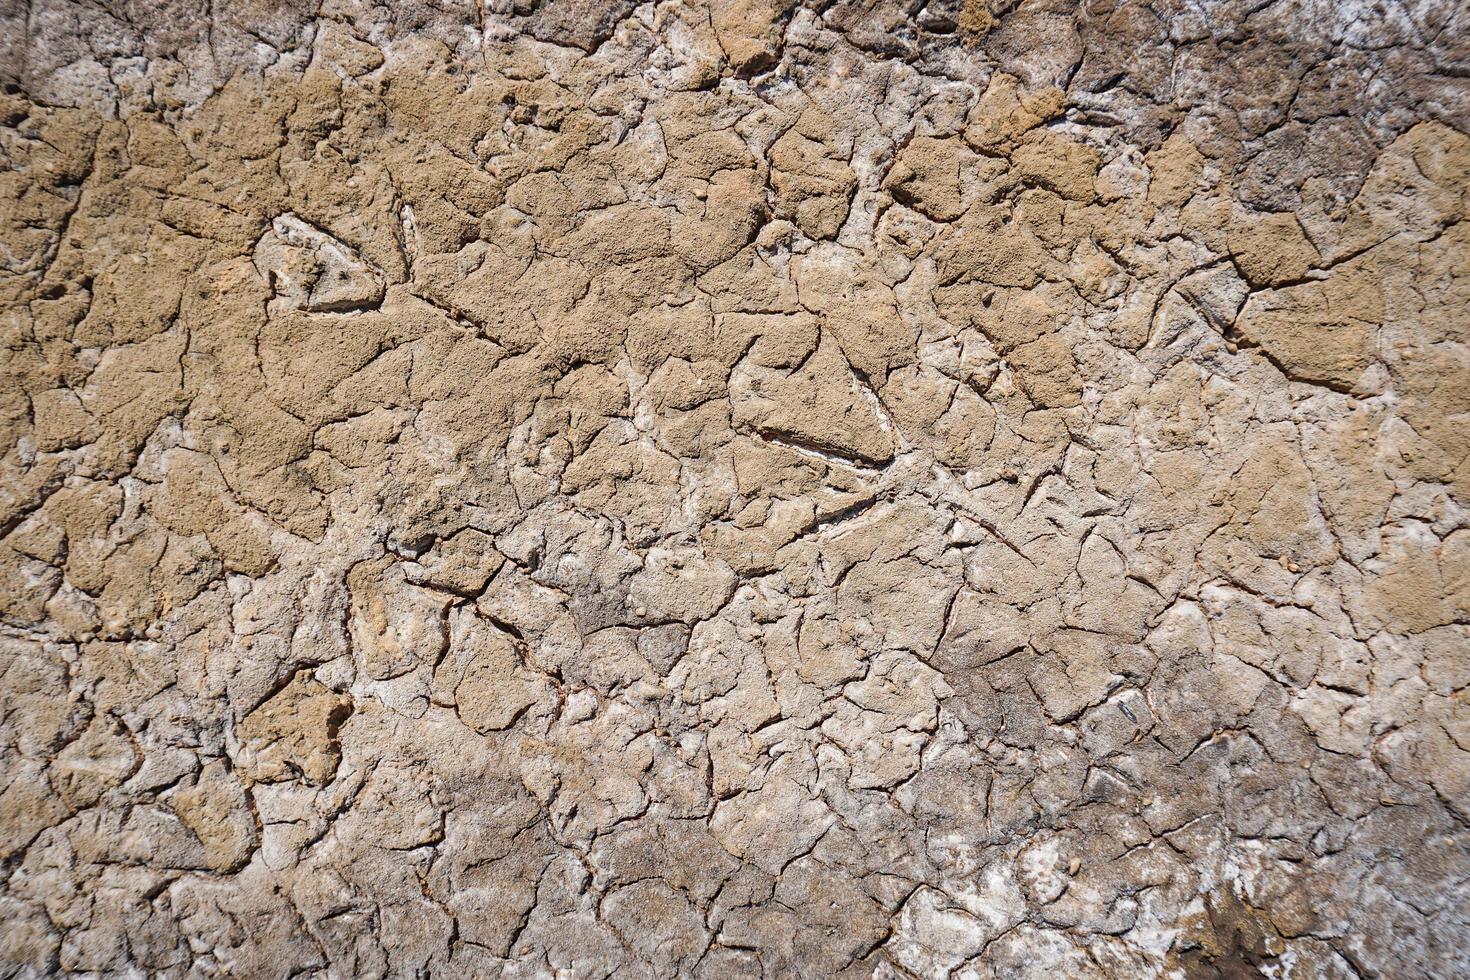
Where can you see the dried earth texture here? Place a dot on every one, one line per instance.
(795, 489)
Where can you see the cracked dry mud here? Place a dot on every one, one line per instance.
(793, 489)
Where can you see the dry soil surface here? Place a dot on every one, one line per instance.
(867, 488)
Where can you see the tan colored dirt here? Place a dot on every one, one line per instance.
(795, 489)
